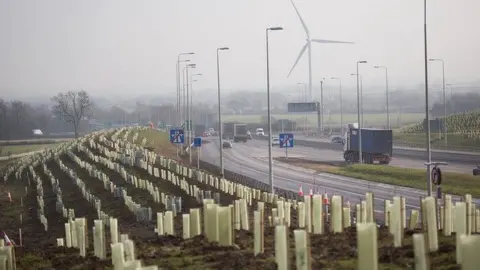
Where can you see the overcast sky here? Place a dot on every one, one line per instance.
(120, 46)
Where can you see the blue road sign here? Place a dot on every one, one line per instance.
(197, 141)
(286, 140)
(177, 136)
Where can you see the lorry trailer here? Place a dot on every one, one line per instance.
(240, 133)
(377, 145)
(228, 131)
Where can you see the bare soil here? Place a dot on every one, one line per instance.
(39, 251)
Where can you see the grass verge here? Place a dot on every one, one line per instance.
(454, 141)
(452, 183)
(159, 142)
(19, 149)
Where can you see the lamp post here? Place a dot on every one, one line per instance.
(189, 109)
(452, 105)
(321, 107)
(184, 92)
(270, 162)
(178, 83)
(181, 89)
(427, 116)
(386, 93)
(360, 153)
(444, 98)
(341, 104)
(219, 110)
(361, 94)
(188, 122)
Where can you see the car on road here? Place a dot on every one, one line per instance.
(259, 132)
(227, 144)
(476, 171)
(336, 139)
(275, 141)
(212, 132)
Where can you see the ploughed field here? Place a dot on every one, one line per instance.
(39, 248)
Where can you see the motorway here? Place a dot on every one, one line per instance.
(250, 160)
(327, 154)
(470, 158)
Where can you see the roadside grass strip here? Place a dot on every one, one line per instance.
(452, 183)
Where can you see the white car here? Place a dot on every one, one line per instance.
(259, 132)
(275, 141)
(227, 144)
(336, 139)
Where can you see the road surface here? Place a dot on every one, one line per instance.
(249, 159)
(466, 158)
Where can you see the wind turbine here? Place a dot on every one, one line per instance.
(308, 45)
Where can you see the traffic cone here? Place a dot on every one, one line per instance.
(300, 191)
(8, 242)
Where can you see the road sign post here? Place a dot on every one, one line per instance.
(436, 178)
(197, 143)
(286, 141)
(177, 137)
(306, 107)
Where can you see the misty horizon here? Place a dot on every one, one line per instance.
(130, 48)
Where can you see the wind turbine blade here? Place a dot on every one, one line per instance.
(301, 20)
(331, 41)
(298, 58)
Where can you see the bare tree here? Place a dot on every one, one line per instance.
(18, 109)
(72, 107)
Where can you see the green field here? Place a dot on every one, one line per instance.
(396, 119)
(463, 133)
(454, 141)
(8, 150)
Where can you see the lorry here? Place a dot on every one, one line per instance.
(228, 130)
(240, 133)
(199, 130)
(377, 145)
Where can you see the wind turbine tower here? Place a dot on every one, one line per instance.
(308, 46)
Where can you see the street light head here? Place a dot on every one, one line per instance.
(192, 65)
(362, 62)
(190, 53)
(334, 78)
(223, 49)
(376, 66)
(275, 28)
(353, 74)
